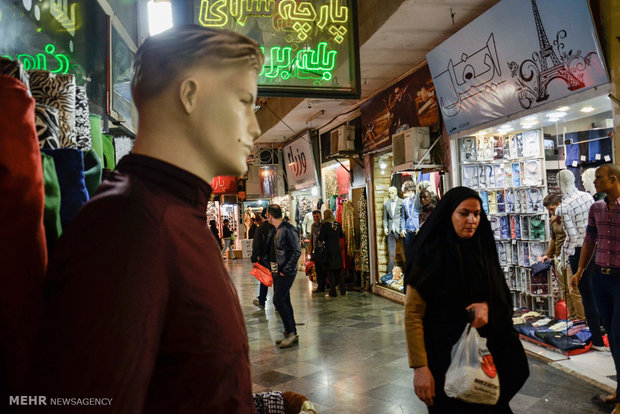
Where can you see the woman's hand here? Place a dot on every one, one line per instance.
(424, 385)
(481, 314)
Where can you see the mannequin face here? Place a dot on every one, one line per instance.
(425, 198)
(466, 218)
(566, 180)
(221, 121)
(393, 193)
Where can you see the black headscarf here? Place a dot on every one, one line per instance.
(439, 258)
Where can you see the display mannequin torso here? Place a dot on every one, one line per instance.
(574, 212)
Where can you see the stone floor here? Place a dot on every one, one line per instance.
(352, 356)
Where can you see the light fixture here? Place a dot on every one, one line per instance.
(587, 109)
(483, 132)
(557, 115)
(382, 165)
(563, 109)
(315, 191)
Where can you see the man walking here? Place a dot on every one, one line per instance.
(603, 234)
(286, 250)
(260, 254)
(315, 247)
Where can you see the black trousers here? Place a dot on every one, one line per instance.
(336, 277)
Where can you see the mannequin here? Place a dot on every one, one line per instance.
(587, 179)
(307, 224)
(410, 220)
(392, 216)
(574, 211)
(194, 89)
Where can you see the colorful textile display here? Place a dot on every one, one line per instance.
(122, 147)
(51, 214)
(70, 169)
(57, 91)
(348, 227)
(92, 172)
(96, 135)
(82, 121)
(363, 212)
(14, 69)
(46, 121)
(109, 157)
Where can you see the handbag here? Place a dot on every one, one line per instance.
(261, 273)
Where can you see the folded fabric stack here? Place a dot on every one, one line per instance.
(562, 334)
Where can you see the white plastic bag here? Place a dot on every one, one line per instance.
(472, 376)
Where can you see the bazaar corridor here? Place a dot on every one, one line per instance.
(351, 356)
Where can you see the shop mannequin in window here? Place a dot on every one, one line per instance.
(409, 221)
(574, 211)
(428, 204)
(134, 259)
(587, 179)
(392, 216)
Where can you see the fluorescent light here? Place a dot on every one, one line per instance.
(382, 165)
(587, 109)
(315, 191)
(160, 16)
(556, 115)
(529, 122)
(563, 109)
(528, 126)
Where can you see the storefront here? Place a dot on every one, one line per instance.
(400, 131)
(513, 131)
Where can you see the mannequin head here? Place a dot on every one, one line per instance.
(425, 198)
(408, 189)
(195, 89)
(587, 178)
(566, 181)
(393, 193)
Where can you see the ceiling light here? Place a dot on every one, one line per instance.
(529, 122)
(563, 109)
(556, 115)
(382, 165)
(483, 132)
(587, 109)
(315, 116)
(527, 126)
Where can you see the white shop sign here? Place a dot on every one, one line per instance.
(299, 162)
(517, 55)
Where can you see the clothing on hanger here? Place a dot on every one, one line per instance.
(532, 172)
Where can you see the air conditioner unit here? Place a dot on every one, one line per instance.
(267, 156)
(410, 145)
(342, 139)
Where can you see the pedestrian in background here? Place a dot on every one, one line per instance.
(330, 235)
(260, 254)
(228, 240)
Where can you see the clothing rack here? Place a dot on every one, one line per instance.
(586, 140)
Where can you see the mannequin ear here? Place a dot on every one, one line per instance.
(188, 94)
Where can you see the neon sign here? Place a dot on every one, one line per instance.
(39, 61)
(309, 45)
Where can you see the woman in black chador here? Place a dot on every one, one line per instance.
(330, 234)
(455, 271)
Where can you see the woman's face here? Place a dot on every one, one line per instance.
(466, 218)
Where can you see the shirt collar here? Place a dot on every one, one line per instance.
(174, 180)
(617, 203)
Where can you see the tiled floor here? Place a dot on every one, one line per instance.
(352, 356)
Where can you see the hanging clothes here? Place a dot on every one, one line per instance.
(364, 258)
(348, 227)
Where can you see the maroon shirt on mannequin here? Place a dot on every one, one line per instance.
(140, 306)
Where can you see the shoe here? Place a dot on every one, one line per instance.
(331, 295)
(279, 341)
(256, 302)
(317, 290)
(601, 349)
(288, 341)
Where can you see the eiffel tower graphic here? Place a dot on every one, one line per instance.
(551, 66)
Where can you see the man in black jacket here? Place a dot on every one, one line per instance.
(286, 249)
(260, 253)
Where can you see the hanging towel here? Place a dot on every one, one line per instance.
(109, 159)
(92, 172)
(70, 169)
(96, 135)
(51, 217)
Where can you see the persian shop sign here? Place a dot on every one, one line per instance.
(309, 46)
(224, 185)
(299, 162)
(518, 55)
(39, 61)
